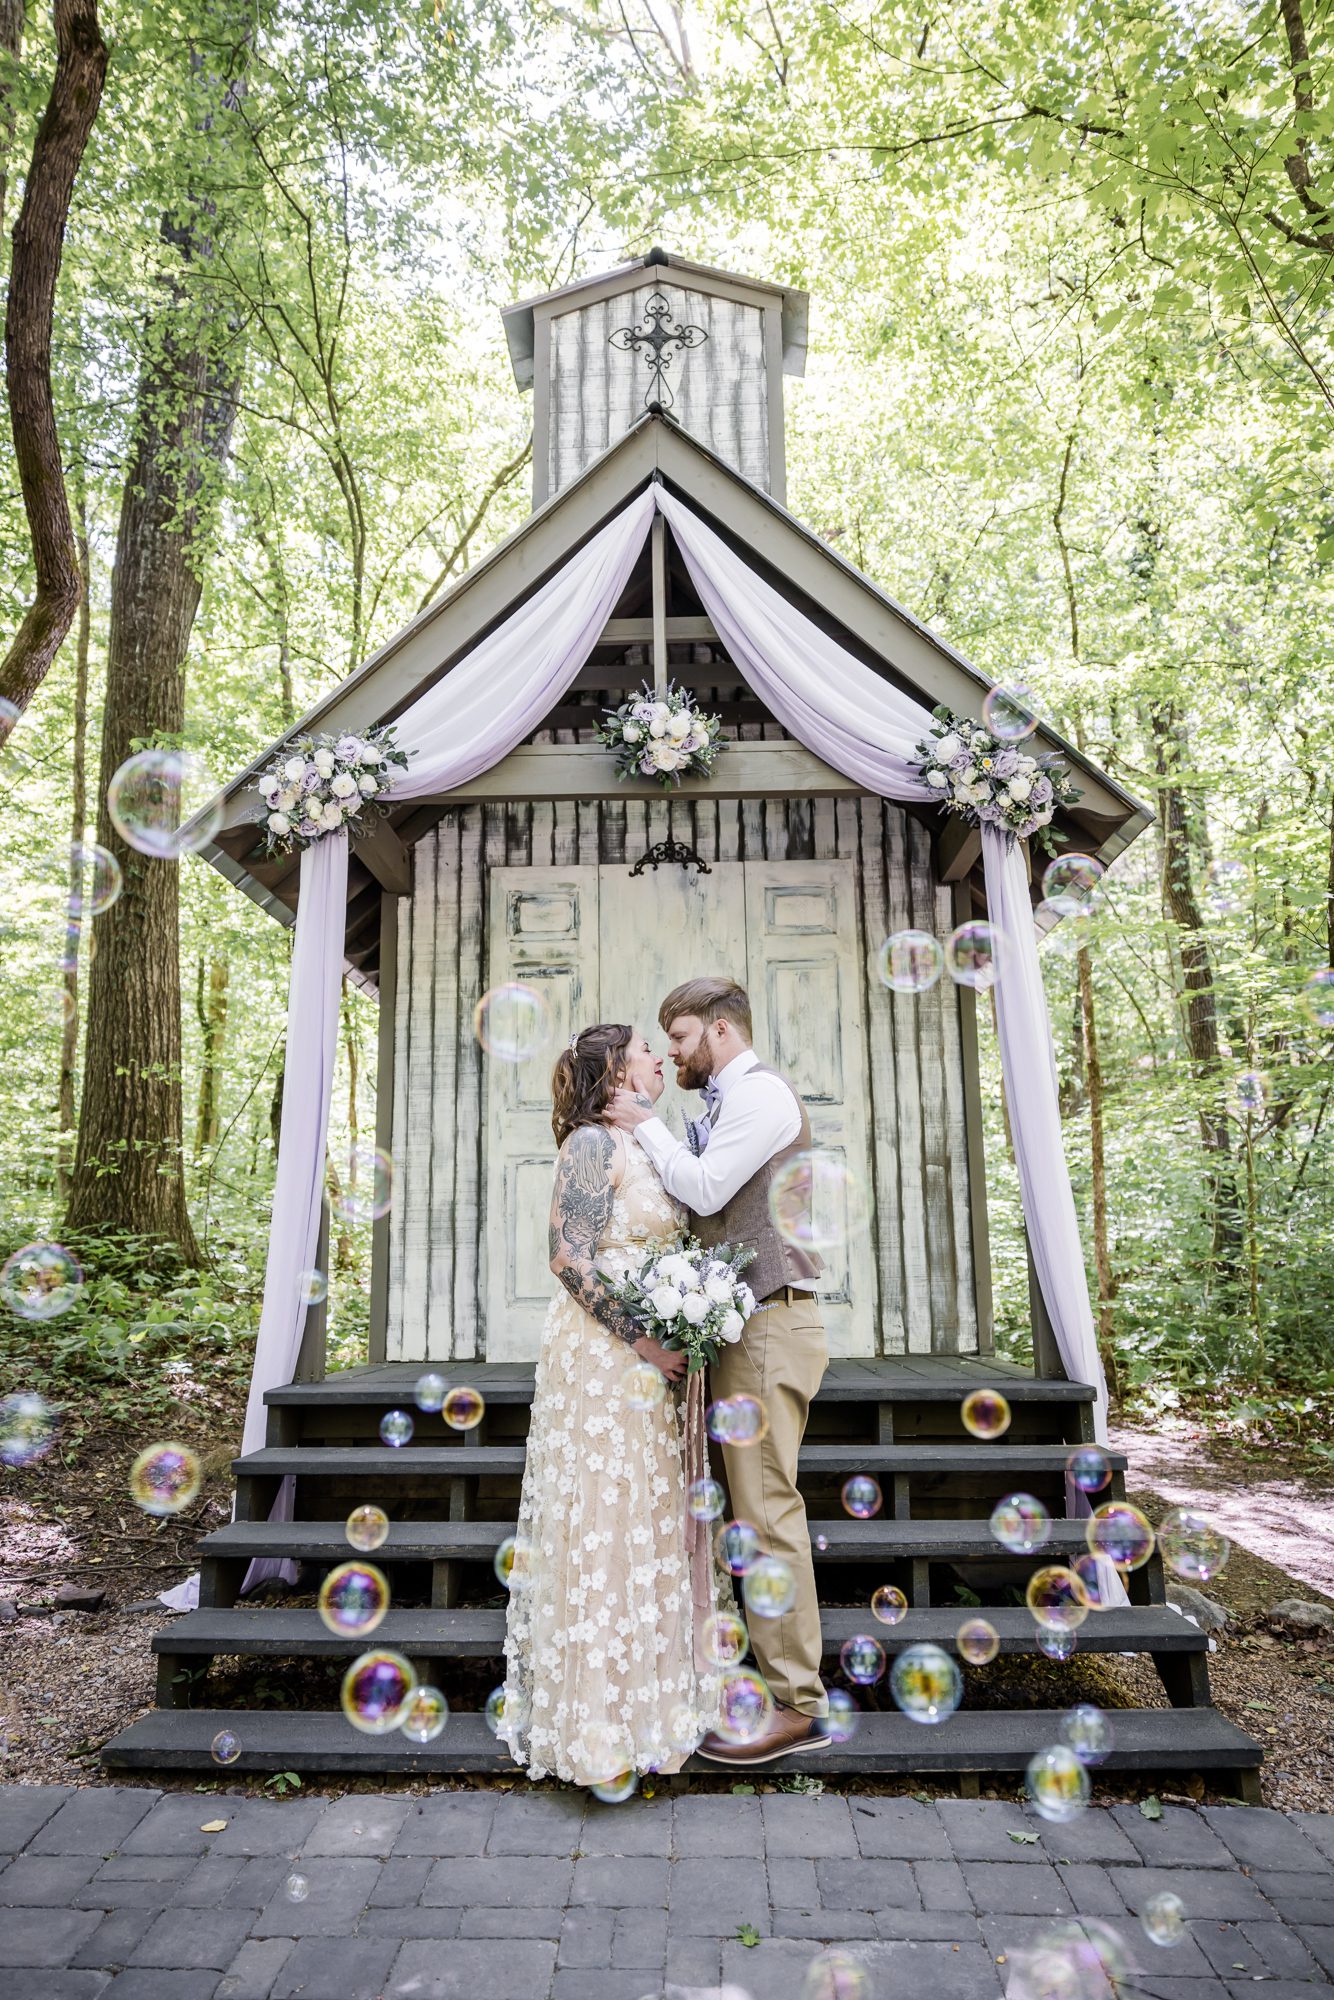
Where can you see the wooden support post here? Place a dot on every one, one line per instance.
(902, 1501)
(444, 1585)
(310, 1358)
(1185, 1678)
(1047, 1363)
(659, 566)
(921, 1583)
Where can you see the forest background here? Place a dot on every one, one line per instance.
(1068, 398)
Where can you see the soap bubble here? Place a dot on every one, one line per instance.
(154, 798)
(643, 1386)
(513, 1563)
(165, 1478)
(424, 1715)
(843, 1717)
(1191, 1546)
(1009, 713)
(396, 1427)
(1070, 882)
(769, 1588)
(973, 955)
(737, 1420)
(40, 1280)
(365, 1188)
(1121, 1533)
(926, 1684)
(816, 1201)
(463, 1409)
(889, 1604)
(1249, 1092)
(1057, 1642)
(428, 1391)
(1057, 1598)
(353, 1599)
(706, 1501)
(1089, 1468)
(1085, 1567)
(296, 1888)
(1076, 1959)
(910, 961)
(1227, 886)
(738, 1548)
(1057, 1781)
(512, 1023)
(724, 1639)
(745, 1707)
(985, 1413)
(685, 1728)
(836, 1975)
(862, 1497)
(225, 1747)
(95, 879)
(367, 1528)
(862, 1659)
(977, 1641)
(10, 715)
(1086, 1731)
(822, 1543)
(495, 1711)
(615, 1791)
(376, 1689)
(27, 1428)
(1318, 996)
(1020, 1523)
(312, 1287)
(1163, 1918)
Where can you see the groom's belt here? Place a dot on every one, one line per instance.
(786, 1295)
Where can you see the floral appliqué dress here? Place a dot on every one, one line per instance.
(600, 1646)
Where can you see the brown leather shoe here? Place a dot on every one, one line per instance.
(789, 1732)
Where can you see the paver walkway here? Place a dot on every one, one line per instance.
(542, 1896)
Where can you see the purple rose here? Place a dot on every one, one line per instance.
(311, 782)
(642, 711)
(962, 761)
(647, 767)
(308, 829)
(1041, 792)
(990, 814)
(348, 749)
(1006, 764)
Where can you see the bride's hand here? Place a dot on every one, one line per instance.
(667, 1360)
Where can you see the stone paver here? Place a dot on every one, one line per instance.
(117, 1894)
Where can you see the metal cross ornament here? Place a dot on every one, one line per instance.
(657, 337)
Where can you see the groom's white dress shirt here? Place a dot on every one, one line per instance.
(756, 1117)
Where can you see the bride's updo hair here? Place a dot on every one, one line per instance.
(585, 1076)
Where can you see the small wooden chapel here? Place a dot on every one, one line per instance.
(602, 893)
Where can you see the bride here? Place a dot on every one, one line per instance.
(602, 1675)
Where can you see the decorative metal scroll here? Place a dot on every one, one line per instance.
(665, 852)
(658, 337)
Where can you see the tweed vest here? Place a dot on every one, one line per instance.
(747, 1218)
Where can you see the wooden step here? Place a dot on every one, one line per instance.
(1145, 1739)
(377, 1463)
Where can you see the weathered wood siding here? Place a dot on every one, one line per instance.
(719, 389)
(922, 1241)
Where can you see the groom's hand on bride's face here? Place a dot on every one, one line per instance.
(628, 1108)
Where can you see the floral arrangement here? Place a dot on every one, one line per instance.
(690, 1298)
(321, 784)
(667, 739)
(994, 783)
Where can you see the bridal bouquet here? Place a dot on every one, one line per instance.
(668, 740)
(319, 784)
(993, 783)
(690, 1298)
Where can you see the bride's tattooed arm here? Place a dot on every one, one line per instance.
(580, 1212)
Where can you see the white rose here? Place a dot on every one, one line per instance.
(1019, 789)
(279, 823)
(295, 769)
(938, 779)
(343, 786)
(695, 1308)
(979, 739)
(968, 776)
(632, 733)
(730, 1329)
(665, 757)
(745, 1301)
(1042, 818)
(718, 1291)
(949, 747)
(368, 783)
(660, 711)
(665, 1301)
(352, 805)
(677, 1270)
(286, 800)
(658, 726)
(680, 725)
(324, 761)
(330, 815)
(370, 755)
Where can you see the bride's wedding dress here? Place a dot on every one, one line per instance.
(601, 1664)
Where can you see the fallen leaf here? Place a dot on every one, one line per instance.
(1269, 1706)
(213, 1826)
(1022, 1839)
(743, 1791)
(1150, 1808)
(747, 1935)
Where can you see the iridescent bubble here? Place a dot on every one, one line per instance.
(495, 1711)
(424, 1715)
(1163, 1918)
(974, 955)
(862, 1659)
(737, 1420)
(977, 1641)
(745, 1706)
(1068, 936)
(1318, 996)
(225, 1747)
(353, 1599)
(1121, 1533)
(1058, 1643)
(985, 1414)
(1057, 1598)
(512, 1023)
(1009, 713)
(843, 1717)
(164, 803)
(1070, 882)
(367, 1528)
(463, 1409)
(95, 879)
(312, 1287)
(1076, 1959)
(1085, 1567)
(643, 1386)
(1057, 1781)
(862, 1497)
(1191, 1546)
(1020, 1523)
(1086, 1731)
(926, 1684)
(723, 1639)
(1089, 1468)
(737, 1546)
(1227, 886)
(40, 1280)
(685, 1729)
(396, 1427)
(769, 1588)
(10, 713)
(822, 1544)
(1249, 1092)
(365, 1188)
(910, 961)
(615, 1791)
(705, 1500)
(165, 1478)
(836, 1975)
(376, 1689)
(513, 1563)
(889, 1604)
(27, 1428)
(296, 1888)
(429, 1391)
(816, 1201)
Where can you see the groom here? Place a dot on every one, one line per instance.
(757, 1122)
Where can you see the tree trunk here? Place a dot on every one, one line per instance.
(69, 1040)
(39, 239)
(13, 20)
(211, 1007)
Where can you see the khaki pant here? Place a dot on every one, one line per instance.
(781, 1358)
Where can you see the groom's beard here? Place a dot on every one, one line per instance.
(696, 1070)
